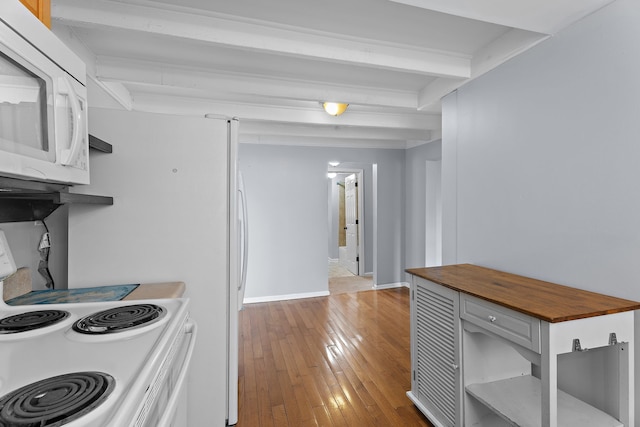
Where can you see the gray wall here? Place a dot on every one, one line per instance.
(415, 178)
(541, 160)
(286, 189)
(547, 158)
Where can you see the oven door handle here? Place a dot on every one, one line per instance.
(190, 328)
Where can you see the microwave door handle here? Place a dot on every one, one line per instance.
(69, 155)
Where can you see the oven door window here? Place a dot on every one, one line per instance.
(26, 114)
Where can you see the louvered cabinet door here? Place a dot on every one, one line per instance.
(436, 355)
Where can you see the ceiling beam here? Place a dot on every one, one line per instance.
(313, 141)
(252, 127)
(435, 91)
(219, 83)
(115, 90)
(262, 36)
(541, 16)
(505, 47)
(511, 43)
(185, 103)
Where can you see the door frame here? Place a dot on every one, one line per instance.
(433, 213)
(360, 179)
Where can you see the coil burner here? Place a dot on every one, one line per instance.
(31, 320)
(119, 319)
(55, 401)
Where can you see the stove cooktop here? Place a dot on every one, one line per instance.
(55, 401)
(119, 319)
(31, 320)
(33, 362)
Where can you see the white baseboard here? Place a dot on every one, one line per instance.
(424, 409)
(392, 285)
(271, 298)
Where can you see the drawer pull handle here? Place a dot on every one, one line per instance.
(492, 319)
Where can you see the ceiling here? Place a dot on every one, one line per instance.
(271, 63)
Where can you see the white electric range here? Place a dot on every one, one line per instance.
(58, 374)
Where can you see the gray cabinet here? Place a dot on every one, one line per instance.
(490, 349)
(436, 384)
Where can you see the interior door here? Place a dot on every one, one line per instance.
(351, 219)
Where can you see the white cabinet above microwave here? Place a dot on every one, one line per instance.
(43, 102)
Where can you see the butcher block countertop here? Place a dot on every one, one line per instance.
(544, 300)
(157, 290)
(17, 290)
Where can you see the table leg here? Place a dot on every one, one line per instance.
(549, 376)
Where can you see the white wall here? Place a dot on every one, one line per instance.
(23, 239)
(287, 199)
(541, 159)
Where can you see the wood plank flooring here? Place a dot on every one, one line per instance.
(341, 360)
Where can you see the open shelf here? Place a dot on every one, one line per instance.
(100, 145)
(23, 200)
(518, 401)
(26, 200)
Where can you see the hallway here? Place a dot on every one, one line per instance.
(342, 280)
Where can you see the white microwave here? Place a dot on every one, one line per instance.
(43, 102)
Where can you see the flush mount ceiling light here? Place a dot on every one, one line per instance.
(334, 108)
(334, 164)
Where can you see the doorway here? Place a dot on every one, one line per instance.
(346, 224)
(433, 213)
(350, 255)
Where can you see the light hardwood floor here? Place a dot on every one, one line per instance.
(341, 360)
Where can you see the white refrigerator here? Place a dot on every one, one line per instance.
(175, 217)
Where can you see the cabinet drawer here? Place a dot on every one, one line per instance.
(511, 325)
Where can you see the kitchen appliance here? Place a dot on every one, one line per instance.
(99, 364)
(43, 107)
(174, 182)
(57, 372)
(238, 260)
